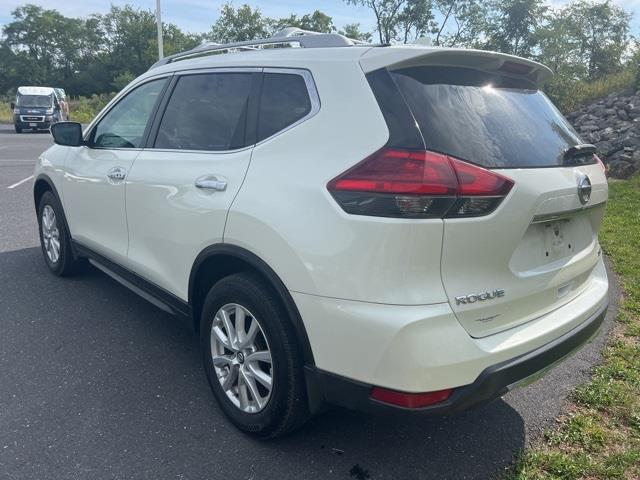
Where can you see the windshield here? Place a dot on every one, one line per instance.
(34, 101)
(487, 119)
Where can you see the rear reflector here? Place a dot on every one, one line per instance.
(477, 181)
(602, 165)
(410, 400)
(418, 184)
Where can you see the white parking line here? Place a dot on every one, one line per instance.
(20, 182)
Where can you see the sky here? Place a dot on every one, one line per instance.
(198, 15)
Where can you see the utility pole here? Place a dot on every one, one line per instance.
(159, 25)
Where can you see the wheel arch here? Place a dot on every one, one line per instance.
(218, 261)
(43, 184)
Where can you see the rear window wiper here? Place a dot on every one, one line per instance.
(578, 152)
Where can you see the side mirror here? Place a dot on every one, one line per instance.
(13, 105)
(67, 134)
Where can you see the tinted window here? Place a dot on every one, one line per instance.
(124, 125)
(490, 120)
(284, 101)
(206, 112)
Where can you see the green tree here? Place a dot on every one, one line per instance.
(634, 63)
(462, 22)
(388, 14)
(175, 40)
(316, 22)
(123, 80)
(84, 56)
(415, 20)
(352, 30)
(42, 42)
(558, 49)
(400, 20)
(127, 33)
(601, 32)
(237, 25)
(513, 25)
(8, 71)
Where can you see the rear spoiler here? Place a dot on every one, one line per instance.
(397, 57)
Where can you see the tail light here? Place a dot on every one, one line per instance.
(418, 184)
(410, 400)
(604, 168)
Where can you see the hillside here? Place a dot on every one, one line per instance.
(613, 125)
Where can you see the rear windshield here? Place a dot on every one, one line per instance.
(490, 120)
(34, 101)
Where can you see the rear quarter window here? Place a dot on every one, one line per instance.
(284, 101)
(490, 120)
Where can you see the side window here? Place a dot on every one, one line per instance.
(284, 101)
(206, 112)
(123, 126)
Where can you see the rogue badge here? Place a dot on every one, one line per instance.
(480, 297)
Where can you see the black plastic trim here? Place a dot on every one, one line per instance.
(253, 107)
(403, 127)
(258, 264)
(493, 382)
(176, 305)
(185, 309)
(158, 111)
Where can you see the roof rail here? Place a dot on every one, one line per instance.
(286, 36)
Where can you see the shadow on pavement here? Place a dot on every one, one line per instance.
(7, 129)
(97, 383)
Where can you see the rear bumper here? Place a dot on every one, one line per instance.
(493, 382)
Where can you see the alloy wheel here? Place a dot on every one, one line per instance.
(241, 358)
(50, 234)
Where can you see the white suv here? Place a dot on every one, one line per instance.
(370, 226)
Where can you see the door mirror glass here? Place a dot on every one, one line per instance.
(13, 105)
(68, 134)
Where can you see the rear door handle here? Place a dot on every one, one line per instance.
(211, 183)
(117, 173)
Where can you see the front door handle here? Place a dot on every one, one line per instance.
(211, 183)
(117, 173)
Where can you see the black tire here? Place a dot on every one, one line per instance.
(65, 264)
(287, 407)
(17, 129)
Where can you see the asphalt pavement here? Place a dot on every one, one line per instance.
(96, 383)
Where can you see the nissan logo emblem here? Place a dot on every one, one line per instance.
(584, 188)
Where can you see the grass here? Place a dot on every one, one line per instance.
(84, 109)
(6, 115)
(599, 437)
(569, 96)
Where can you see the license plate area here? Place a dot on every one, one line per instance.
(557, 239)
(33, 124)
